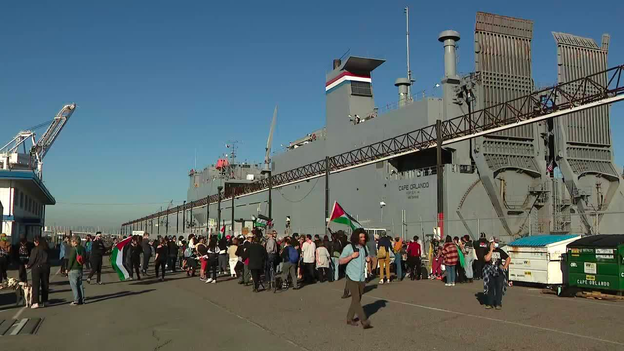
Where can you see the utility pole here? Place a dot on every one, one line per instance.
(219, 188)
(270, 191)
(326, 194)
(440, 176)
(177, 220)
(167, 222)
(191, 221)
(207, 215)
(233, 193)
(158, 222)
(183, 216)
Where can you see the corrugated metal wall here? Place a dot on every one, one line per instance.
(580, 57)
(503, 62)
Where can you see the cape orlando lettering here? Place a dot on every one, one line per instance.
(413, 190)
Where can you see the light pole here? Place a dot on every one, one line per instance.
(219, 188)
(183, 216)
(382, 205)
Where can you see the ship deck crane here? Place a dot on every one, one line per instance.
(12, 158)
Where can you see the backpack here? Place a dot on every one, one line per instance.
(293, 255)
(188, 252)
(382, 254)
(80, 258)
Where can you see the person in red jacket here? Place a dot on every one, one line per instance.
(413, 259)
(451, 259)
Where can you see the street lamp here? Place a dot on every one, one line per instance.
(219, 189)
(382, 205)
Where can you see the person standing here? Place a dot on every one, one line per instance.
(97, 253)
(160, 261)
(322, 262)
(451, 259)
(213, 259)
(63, 255)
(23, 250)
(271, 250)
(336, 250)
(398, 257)
(383, 256)
(39, 262)
(355, 257)
(5, 254)
(75, 261)
(233, 259)
(496, 264)
(308, 250)
(172, 249)
(136, 249)
(413, 258)
(223, 254)
(290, 258)
(241, 252)
(87, 247)
(147, 252)
(481, 249)
(256, 254)
(371, 247)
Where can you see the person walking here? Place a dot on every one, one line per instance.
(256, 254)
(322, 262)
(147, 252)
(97, 253)
(271, 250)
(75, 261)
(23, 250)
(413, 258)
(398, 257)
(451, 259)
(290, 258)
(160, 261)
(5, 254)
(496, 264)
(136, 247)
(371, 247)
(308, 250)
(233, 259)
(355, 257)
(39, 262)
(64, 254)
(383, 257)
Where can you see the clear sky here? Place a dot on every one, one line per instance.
(156, 80)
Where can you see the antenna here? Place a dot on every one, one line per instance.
(409, 71)
(267, 155)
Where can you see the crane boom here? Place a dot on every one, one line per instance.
(47, 139)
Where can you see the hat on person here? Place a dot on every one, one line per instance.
(227, 237)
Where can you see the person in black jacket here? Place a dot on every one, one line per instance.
(241, 253)
(135, 256)
(97, 253)
(257, 256)
(40, 265)
(147, 252)
(172, 250)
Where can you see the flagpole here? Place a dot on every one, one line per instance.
(326, 194)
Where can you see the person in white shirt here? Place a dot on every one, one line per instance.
(308, 250)
(322, 262)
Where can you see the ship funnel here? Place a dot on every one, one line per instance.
(449, 38)
(403, 84)
(337, 63)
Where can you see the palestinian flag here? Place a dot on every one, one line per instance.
(117, 258)
(262, 221)
(339, 215)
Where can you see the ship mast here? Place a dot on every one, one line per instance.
(409, 71)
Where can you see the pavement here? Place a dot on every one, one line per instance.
(186, 314)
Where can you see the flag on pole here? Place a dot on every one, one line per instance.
(339, 215)
(117, 258)
(221, 232)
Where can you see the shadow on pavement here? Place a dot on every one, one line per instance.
(7, 299)
(480, 297)
(369, 288)
(153, 280)
(372, 308)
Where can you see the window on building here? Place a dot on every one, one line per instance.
(361, 89)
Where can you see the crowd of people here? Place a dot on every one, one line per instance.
(272, 263)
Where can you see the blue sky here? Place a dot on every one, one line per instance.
(155, 80)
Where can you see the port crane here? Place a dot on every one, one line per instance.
(32, 159)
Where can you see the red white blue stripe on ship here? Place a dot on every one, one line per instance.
(343, 78)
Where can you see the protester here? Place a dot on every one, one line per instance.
(181, 247)
(451, 259)
(371, 246)
(23, 250)
(172, 250)
(75, 261)
(414, 262)
(256, 256)
(160, 261)
(481, 249)
(322, 262)
(469, 257)
(437, 262)
(97, 253)
(5, 254)
(87, 247)
(271, 250)
(496, 265)
(383, 257)
(147, 252)
(460, 270)
(398, 257)
(202, 253)
(290, 258)
(245, 277)
(355, 257)
(39, 262)
(336, 250)
(233, 259)
(223, 254)
(308, 250)
(64, 254)
(136, 249)
(213, 260)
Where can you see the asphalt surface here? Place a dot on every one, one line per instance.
(186, 314)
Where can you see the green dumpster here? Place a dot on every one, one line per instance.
(597, 262)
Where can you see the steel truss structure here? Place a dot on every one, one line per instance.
(577, 95)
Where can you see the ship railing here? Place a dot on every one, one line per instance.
(378, 111)
(428, 171)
